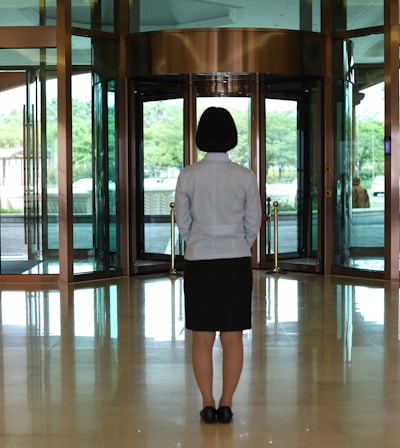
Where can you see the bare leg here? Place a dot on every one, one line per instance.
(202, 362)
(232, 346)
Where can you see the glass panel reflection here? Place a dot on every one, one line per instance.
(357, 314)
(279, 310)
(164, 312)
(31, 313)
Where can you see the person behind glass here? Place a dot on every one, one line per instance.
(360, 198)
(218, 213)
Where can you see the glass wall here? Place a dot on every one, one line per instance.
(171, 14)
(360, 154)
(29, 192)
(94, 145)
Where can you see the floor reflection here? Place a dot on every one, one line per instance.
(109, 364)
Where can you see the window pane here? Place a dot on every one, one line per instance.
(27, 57)
(291, 14)
(28, 12)
(96, 15)
(355, 14)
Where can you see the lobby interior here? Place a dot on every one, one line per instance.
(93, 347)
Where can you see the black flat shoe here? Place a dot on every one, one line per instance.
(208, 414)
(224, 414)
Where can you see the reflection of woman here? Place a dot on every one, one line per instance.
(218, 213)
(360, 198)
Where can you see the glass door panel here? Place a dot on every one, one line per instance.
(159, 156)
(240, 109)
(105, 194)
(28, 153)
(368, 190)
(32, 154)
(94, 154)
(292, 157)
(83, 185)
(20, 179)
(359, 155)
(281, 173)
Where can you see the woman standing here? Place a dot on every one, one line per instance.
(218, 213)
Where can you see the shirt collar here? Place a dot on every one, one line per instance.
(216, 157)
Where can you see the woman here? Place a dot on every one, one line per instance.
(218, 213)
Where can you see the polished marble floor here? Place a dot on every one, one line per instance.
(107, 365)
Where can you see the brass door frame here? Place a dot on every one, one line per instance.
(226, 50)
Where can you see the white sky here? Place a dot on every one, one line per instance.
(373, 101)
(15, 99)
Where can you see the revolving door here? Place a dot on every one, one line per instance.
(279, 138)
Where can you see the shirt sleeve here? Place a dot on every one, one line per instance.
(252, 215)
(183, 214)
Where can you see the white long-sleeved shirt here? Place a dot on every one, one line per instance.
(217, 208)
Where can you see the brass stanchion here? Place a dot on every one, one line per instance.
(276, 269)
(268, 226)
(172, 271)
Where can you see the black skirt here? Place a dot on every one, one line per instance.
(218, 294)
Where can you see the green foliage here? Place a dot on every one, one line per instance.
(241, 153)
(369, 147)
(163, 140)
(281, 142)
(82, 138)
(163, 137)
(10, 210)
(286, 207)
(11, 130)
